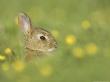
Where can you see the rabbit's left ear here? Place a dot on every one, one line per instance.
(24, 22)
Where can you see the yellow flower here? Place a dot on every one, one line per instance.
(71, 39)
(46, 71)
(8, 51)
(86, 24)
(2, 58)
(91, 48)
(55, 33)
(18, 65)
(5, 67)
(78, 52)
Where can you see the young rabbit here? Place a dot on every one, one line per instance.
(37, 40)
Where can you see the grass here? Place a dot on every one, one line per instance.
(81, 29)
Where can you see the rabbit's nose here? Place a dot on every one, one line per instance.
(55, 44)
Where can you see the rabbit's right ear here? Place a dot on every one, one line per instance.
(25, 23)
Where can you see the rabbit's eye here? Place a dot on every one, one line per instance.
(42, 38)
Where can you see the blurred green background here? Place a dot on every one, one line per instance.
(81, 28)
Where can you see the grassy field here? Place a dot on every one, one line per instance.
(81, 28)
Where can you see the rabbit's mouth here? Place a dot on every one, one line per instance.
(48, 50)
(51, 49)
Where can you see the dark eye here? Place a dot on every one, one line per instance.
(42, 38)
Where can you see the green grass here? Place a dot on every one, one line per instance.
(65, 17)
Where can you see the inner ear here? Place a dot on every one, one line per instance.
(25, 23)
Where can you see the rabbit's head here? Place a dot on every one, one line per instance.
(36, 38)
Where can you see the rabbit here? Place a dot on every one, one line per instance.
(38, 41)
